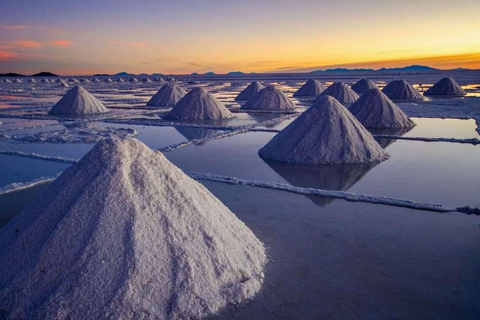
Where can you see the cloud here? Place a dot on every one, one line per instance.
(61, 43)
(8, 56)
(128, 44)
(26, 44)
(15, 27)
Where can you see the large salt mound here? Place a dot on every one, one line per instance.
(198, 104)
(125, 234)
(446, 87)
(247, 93)
(327, 133)
(311, 88)
(341, 92)
(78, 101)
(364, 85)
(269, 98)
(168, 95)
(375, 110)
(401, 90)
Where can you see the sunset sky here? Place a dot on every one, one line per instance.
(109, 36)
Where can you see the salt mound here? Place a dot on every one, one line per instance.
(446, 87)
(311, 88)
(32, 80)
(375, 110)
(85, 80)
(269, 98)
(120, 80)
(198, 104)
(7, 81)
(341, 92)
(247, 93)
(133, 80)
(147, 80)
(327, 133)
(401, 90)
(168, 95)
(46, 81)
(125, 234)
(96, 80)
(18, 81)
(78, 101)
(64, 84)
(364, 85)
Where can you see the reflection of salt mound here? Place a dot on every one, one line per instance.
(375, 110)
(269, 98)
(247, 93)
(401, 90)
(327, 133)
(64, 84)
(198, 104)
(168, 95)
(141, 240)
(78, 101)
(364, 85)
(194, 133)
(341, 92)
(311, 88)
(446, 87)
(339, 177)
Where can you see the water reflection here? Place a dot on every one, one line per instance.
(194, 133)
(385, 142)
(327, 177)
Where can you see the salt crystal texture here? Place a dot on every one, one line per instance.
(375, 110)
(446, 87)
(311, 88)
(125, 234)
(401, 90)
(327, 133)
(198, 104)
(168, 95)
(364, 85)
(269, 98)
(341, 92)
(78, 101)
(247, 93)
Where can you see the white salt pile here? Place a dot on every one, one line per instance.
(327, 133)
(146, 80)
(247, 93)
(64, 84)
(96, 80)
(341, 92)
(364, 85)
(269, 98)
(78, 101)
(125, 234)
(311, 88)
(446, 87)
(120, 80)
(7, 81)
(31, 80)
(401, 90)
(168, 95)
(85, 80)
(198, 104)
(17, 81)
(45, 81)
(108, 80)
(133, 80)
(375, 110)
(159, 79)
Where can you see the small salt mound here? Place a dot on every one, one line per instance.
(341, 92)
(45, 81)
(7, 81)
(32, 80)
(311, 88)
(18, 81)
(120, 80)
(401, 90)
(198, 104)
(364, 85)
(96, 80)
(78, 101)
(125, 234)
(327, 133)
(375, 110)
(84, 80)
(247, 93)
(446, 87)
(108, 80)
(64, 84)
(168, 95)
(133, 80)
(159, 79)
(147, 80)
(269, 98)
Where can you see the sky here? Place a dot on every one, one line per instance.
(71, 37)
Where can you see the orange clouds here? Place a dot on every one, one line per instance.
(26, 44)
(8, 56)
(61, 43)
(14, 27)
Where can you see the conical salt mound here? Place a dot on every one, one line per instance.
(85, 80)
(108, 80)
(7, 81)
(364, 85)
(96, 80)
(168, 95)
(446, 87)
(125, 234)
(401, 90)
(198, 104)
(311, 88)
(64, 84)
(147, 80)
(341, 92)
(133, 80)
(327, 133)
(32, 80)
(120, 80)
(18, 81)
(247, 93)
(269, 98)
(78, 101)
(45, 81)
(375, 110)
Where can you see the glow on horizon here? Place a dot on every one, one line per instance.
(184, 36)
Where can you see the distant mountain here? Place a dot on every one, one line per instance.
(44, 74)
(11, 75)
(124, 74)
(157, 74)
(235, 73)
(412, 68)
(101, 75)
(210, 73)
(194, 74)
